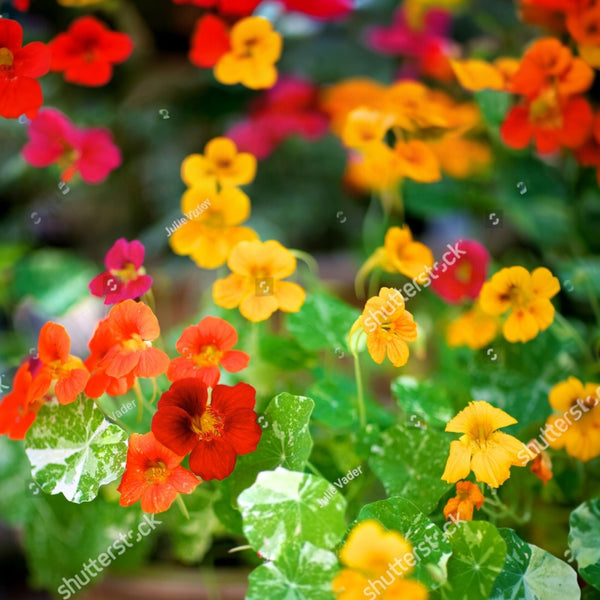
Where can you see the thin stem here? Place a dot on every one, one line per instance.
(183, 507)
(315, 470)
(154, 390)
(360, 398)
(239, 549)
(111, 418)
(140, 398)
(309, 260)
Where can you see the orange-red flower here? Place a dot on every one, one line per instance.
(133, 327)
(468, 496)
(61, 372)
(205, 347)
(153, 474)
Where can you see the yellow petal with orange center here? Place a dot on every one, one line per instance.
(416, 160)
(258, 308)
(479, 415)
(520, 326)
(196, 169)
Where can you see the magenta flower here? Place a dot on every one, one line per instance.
(289, 108)
(54, 139)
(465, 276)
(125, 277)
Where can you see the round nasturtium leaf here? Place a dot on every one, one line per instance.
(584, 536)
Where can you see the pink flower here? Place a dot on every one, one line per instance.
(54, 139)
(464, 278)
(321, 9)
(125, 276)
(289, 108)
(429, 47)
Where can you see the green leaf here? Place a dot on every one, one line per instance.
(423, 399)
(583, 275)
(431, 549)
(584, 533)
(285, 353)
(323, 323)
(73, 450)
(16, 485)
(300, 573)
(531, 573)
(285, 441)
(478, 555)
(283, 507)
(494, 105)
(410, 462)
(334, 401)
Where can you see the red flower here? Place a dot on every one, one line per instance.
(88, 51)
(238, 8)
(215, 433)
(19, 408)
(65, 372)
(153, 473)
(54, 139)
(291, 107)
(321, 9)
(125, 277)
(133, 327)
(206, 346)
(210, 41)
(464, 278)
(22, 5)
(589, 153)
(20, 93)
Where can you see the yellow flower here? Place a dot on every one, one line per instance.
(211, 229)
(221, 163)
(375, 170)
(411, 103)
(489, 453)
(460, 157)
(78, 2)
(468, 496)
(416, 160)
(365, 128)
(255, 284)
(526, 295)
(255, 48)
(388, 327)
(474, 329)
(375, 559)
(577, 428)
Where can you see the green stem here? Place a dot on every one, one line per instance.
(140, 398)
(360, 398)
(311, 263)
(111, 418)
(183, 507)
(315, 470)
(592, 298)
(575, 334)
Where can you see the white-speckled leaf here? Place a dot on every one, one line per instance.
(283, 507)
(300, 573)
(73, 450)
(584, 536)
(478, 555)
(531, 573)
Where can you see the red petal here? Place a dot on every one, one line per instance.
(210, 41)
(242, 431)
(171, 426)
(33, 60)
(158, 497)
(213, 460)
(226, 399)
(11, 35)
(183, 481)
(516, 130)
(153, 362)
(322, 9)
(68, 388)
(19, 95)
(54, 343)
(234, 361)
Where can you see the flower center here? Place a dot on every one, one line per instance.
(518, 297)
(209, 356)
(464, 271)
(127, 273)
(207, 426)
(6, 59)
(545, 111)
(135, 342)
(157, 473)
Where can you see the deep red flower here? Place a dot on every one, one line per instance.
(20, 93)
(321, 9)
(589, 154)
(125, 277)
(204, 347)
(238, 8)
(19, 408)
(210, 40)
(215, 433)
(289, 108)
(463, 279)
(88, 51)
(54, 139)
(22, 5)
(153, 474)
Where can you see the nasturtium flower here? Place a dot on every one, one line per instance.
(372, 553)
(204, 348)
(416, 160)
(468, 496)
(20, 92)
(22, 5)
(461, 157)
(255, 48)
(256, 284)
(88, 50)
(53, 139)
(462, 279)
(154, 475)
(78, 2)
(482, 449)
(527, 297)
(541, 465)
(475, 75)
(388, 327)
(214, 431)
(19, 408)
(366, 128)
(210, 236)
(474, 328)
(235, 8)
(220, 164)
(134, 327)
(61, 372)
(210, 41)
(579, 435)
(125, 277)
(321, 9)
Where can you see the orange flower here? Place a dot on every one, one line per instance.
(153, 474)
(589, 153)
(461, 157)
(416, 160)
(256, 284)
(474, 329)
(209, 236)
(365, 128)
(388, 327)
(65, 372)
(133, 327)
(477, 75)
(541, 465)
(221, 164)
(584, 26)
(460, 508)
(255, 48)
(375, 170)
